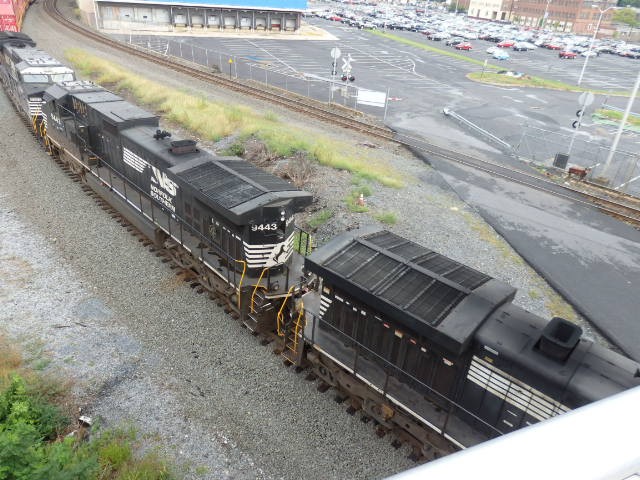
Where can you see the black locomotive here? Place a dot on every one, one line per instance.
(442, 343)
(431, 349)
(27, 71)
(228, 221)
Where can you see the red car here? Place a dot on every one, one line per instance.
(567, 54)
(554, 46)
(464, 46)
(506, 43)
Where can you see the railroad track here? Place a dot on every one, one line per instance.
(612, 203)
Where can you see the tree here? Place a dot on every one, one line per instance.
(629, 3)
(626, 16)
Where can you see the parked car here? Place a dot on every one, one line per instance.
(492, 50)
(567, 54)
(501, 55)
(506, 43)
(523, 46)
(630, 54)
(553, 46)
(589, 53)
(464, 46)
(452, 42)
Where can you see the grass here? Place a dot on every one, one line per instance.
(320, 218)
(33, 427)
(491, 77)
(10, 360)
(525, 81)
(388, 218)
(429, 48)
(353, 199)
(616, 116)
(235, 150)
(213, 120)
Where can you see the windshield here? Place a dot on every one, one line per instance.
(62, 77)
(35, 78)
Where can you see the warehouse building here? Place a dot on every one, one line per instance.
(199, 15)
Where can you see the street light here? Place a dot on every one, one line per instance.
(593, 39)
(546, 14)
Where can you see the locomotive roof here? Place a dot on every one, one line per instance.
(591, 371)
(16, 39)
(415, 287)
(26, 57)
(113, 108)
(230, 184)
(60, 89)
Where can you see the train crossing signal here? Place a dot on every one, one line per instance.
(576, 123)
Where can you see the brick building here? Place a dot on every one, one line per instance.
(576, 16)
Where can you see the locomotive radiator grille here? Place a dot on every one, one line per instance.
(513, 391)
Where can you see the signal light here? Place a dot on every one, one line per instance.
(344, 78)
(352, 78)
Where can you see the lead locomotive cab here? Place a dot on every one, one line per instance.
(28, 71)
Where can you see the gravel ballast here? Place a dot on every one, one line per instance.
(81, 293)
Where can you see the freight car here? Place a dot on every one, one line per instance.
(418, 339)
(27, 72)
(12, 13)
(432, 350)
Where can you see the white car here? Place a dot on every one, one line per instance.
(492, 50)
(588, 53)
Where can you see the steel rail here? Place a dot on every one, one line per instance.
(337, 117)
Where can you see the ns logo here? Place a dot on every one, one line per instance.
(161, 179)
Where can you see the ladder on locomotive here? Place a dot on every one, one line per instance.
(293, 340)
(291, 329)
(259, 318)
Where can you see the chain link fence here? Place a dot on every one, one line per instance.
(535, 144)
(257, 69)
(621, 173)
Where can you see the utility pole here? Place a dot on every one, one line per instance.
(546, 14)
(616, 139)
(593, 39)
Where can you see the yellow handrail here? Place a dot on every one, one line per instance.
(33, 122)
(298, 325)
(244, 269)
(280, 333)
(256, 288)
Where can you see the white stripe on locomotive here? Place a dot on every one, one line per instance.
(513, 391)
(134, 161)
(268, 255)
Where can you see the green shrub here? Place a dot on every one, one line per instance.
(235, 150)
(388, 218)
(320, 218)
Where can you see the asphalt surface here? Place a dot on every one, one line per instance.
(592, 260)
